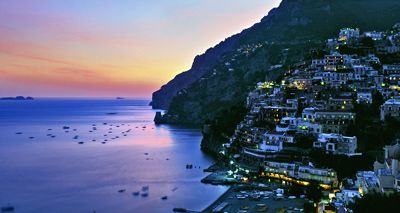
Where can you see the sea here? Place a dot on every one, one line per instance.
(98, 155)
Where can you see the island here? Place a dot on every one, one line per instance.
(17, 98)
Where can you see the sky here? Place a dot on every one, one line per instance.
(108, 48)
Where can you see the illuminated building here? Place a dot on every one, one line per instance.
(391, 108)
(336, 144)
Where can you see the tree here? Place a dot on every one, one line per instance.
(377, 202)
(314, 192)
(367, 42)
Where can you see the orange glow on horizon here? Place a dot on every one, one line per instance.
(58, 48)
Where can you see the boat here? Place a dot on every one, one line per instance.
(135, 193)
(81, 142)
(164, 197)
(145, 194)
(7, 208)
(121, 190)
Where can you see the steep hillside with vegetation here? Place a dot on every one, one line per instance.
(214, 89)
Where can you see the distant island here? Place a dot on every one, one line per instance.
(120, 98)
(17, 98)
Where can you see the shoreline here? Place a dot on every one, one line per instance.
(218, 200)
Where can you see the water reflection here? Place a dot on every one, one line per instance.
(57, 174)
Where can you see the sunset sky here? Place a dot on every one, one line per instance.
(110, 47)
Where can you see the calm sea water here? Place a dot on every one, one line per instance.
(43, 168)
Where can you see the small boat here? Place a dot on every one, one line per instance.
(135, 193)
(7, 208)
(81, 142)
(145, 194)
(121, 190)
(145, 188)
(164, 197)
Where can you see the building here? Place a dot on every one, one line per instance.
(278, 137)
(334, 121)
(347, 34)
(391, 108)
(347, 196)
(388, 172)
(336, 144)
(340, 104)
(288, 124)
(333, 62)
(300, 174)
(274, 114)
(318, 63)
(391, 69)
(367, 182)
(364, 97)
(374, 35)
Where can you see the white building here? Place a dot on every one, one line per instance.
(391, 69)
(388, 172)
(347, 196)
(367, 181)
(278, 137)
(348, 33)
(364, 97)
(336, 144)
(391, 108)
(374, 35)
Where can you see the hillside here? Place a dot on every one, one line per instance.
(219, 80)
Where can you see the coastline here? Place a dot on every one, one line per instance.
(218, 200)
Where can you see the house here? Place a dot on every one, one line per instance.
(336, 144)
(333, 61)
(391, 108)
(347, 196)
(391, 69)
(364, 97)
(278, 136)
(309, 114)
(388, 172)
(347, 34)
(276, 113)
(340, 104)
(318, 63)
(374, 35)
(367, 182)
(334, 121)
(300, 174)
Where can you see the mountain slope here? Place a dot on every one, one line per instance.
(209, 88)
